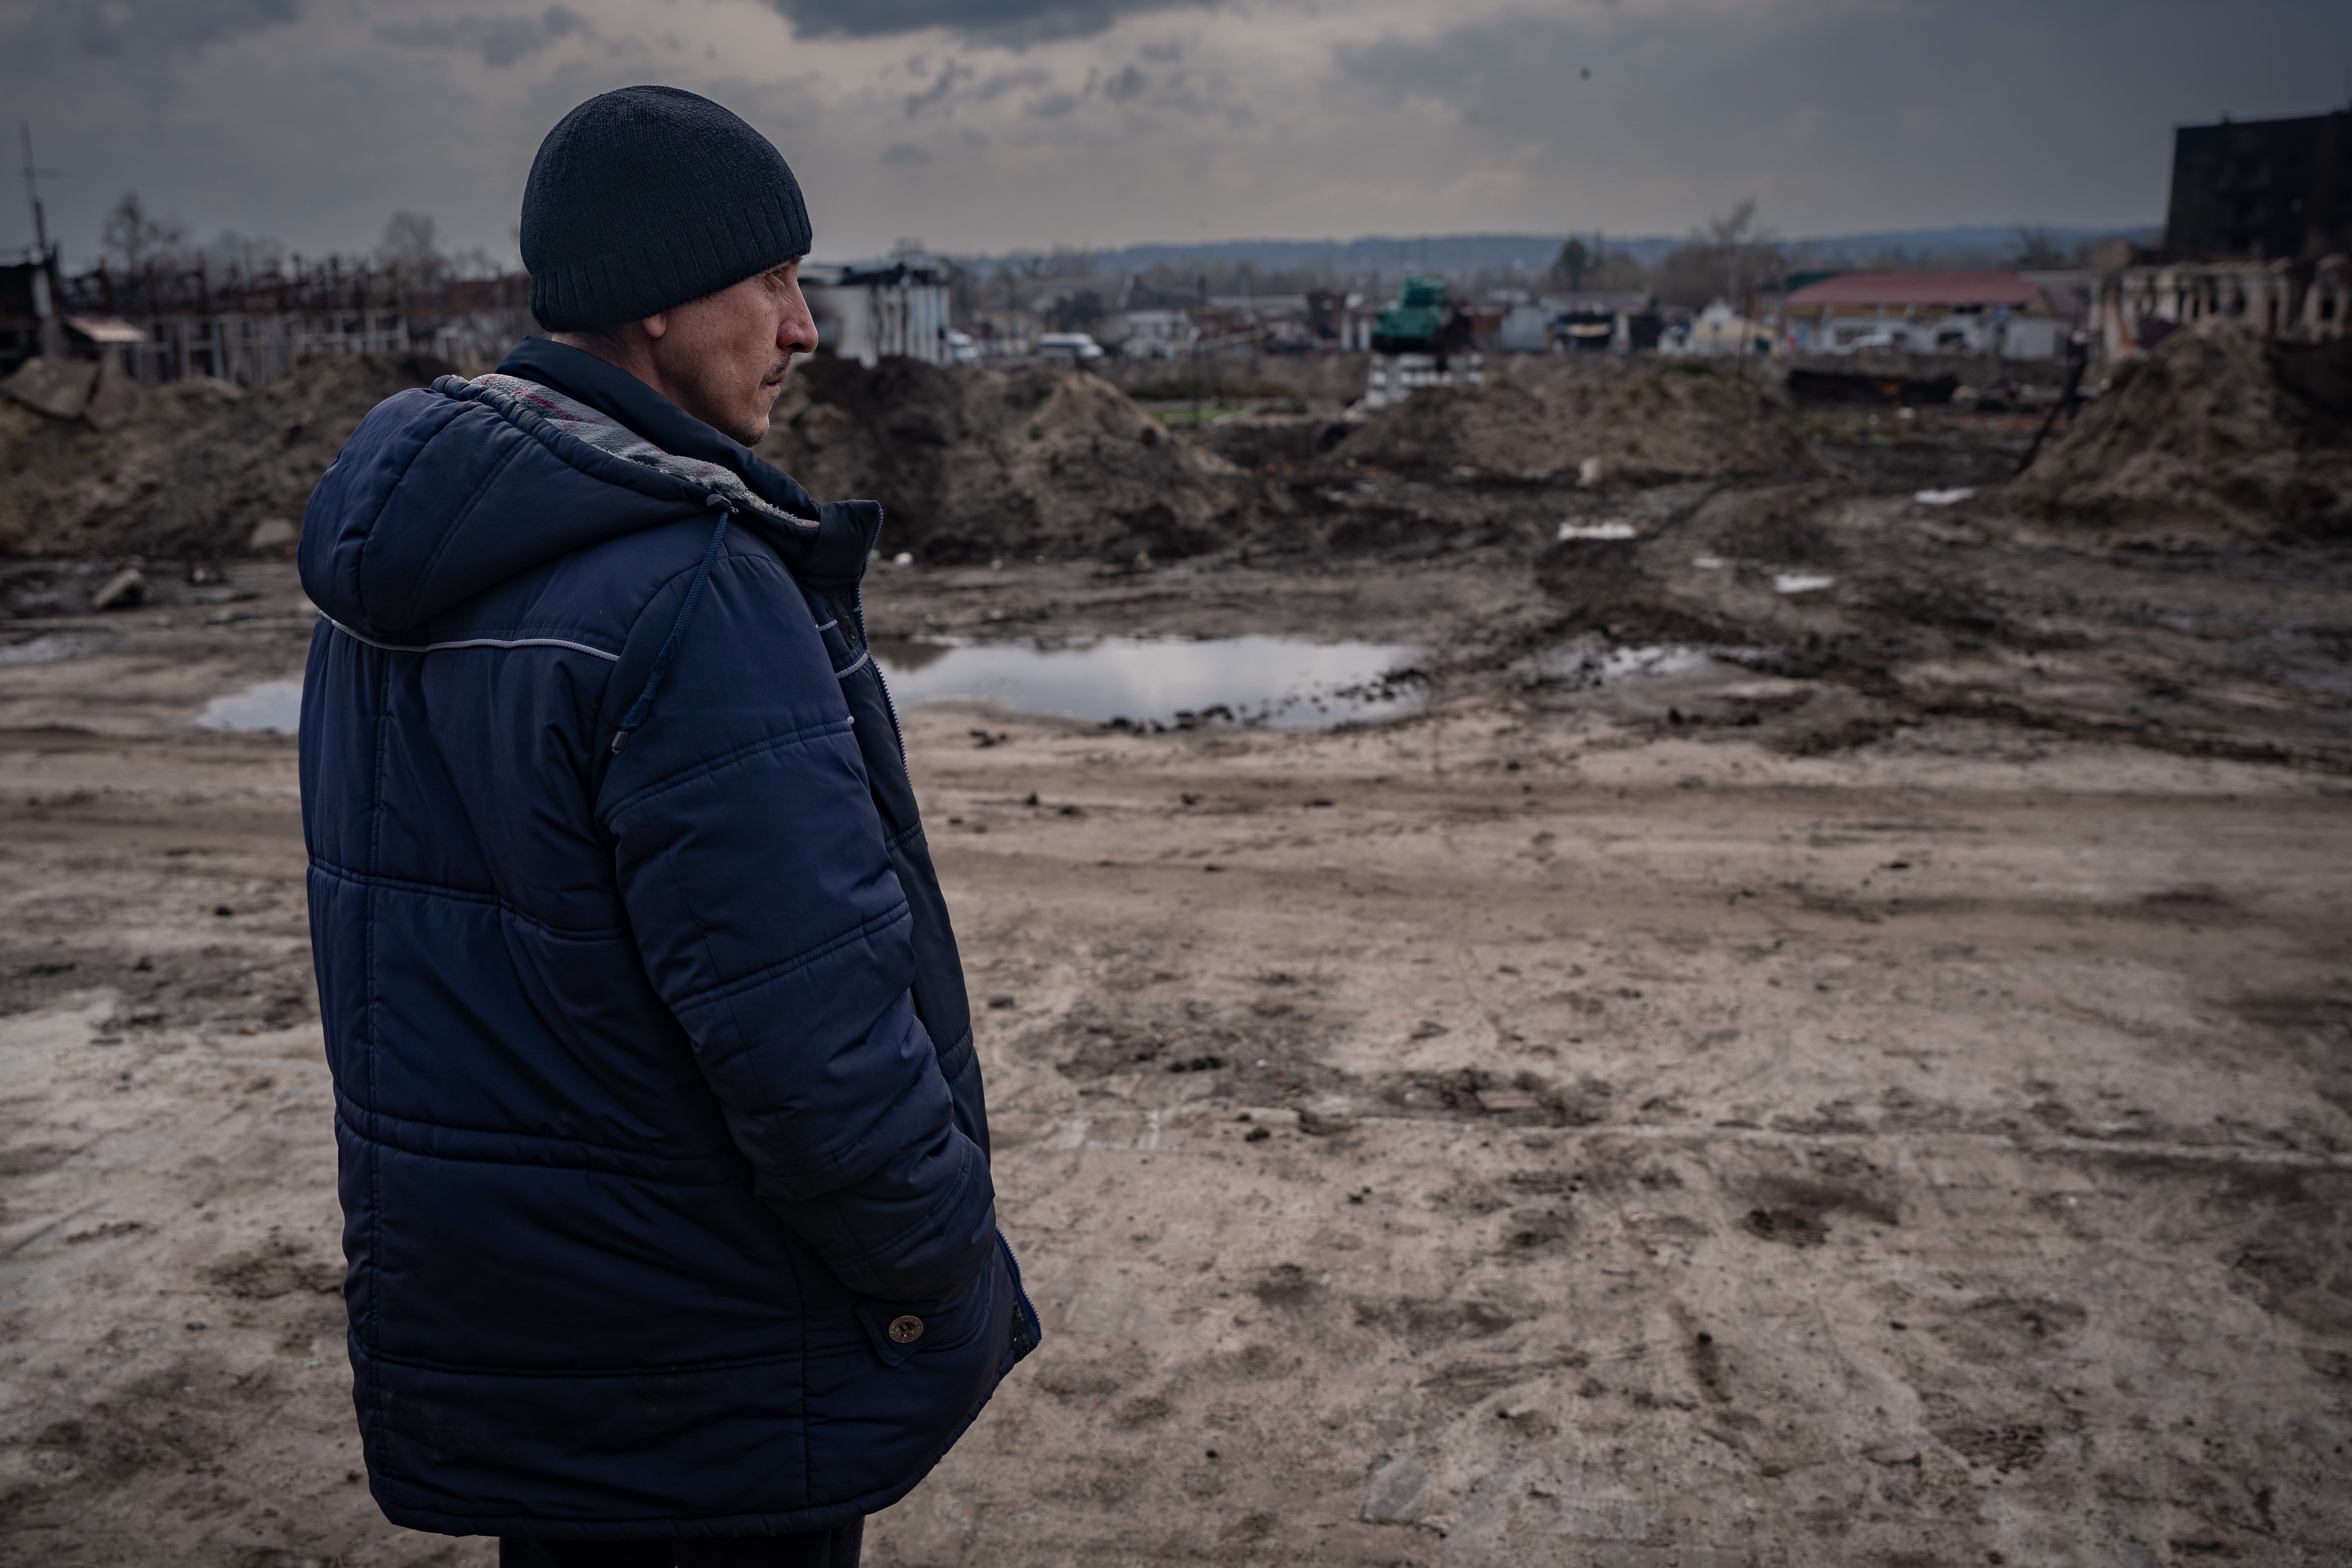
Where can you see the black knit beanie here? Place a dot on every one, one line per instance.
(647, 197)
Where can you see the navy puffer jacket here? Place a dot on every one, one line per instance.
(663, 1164)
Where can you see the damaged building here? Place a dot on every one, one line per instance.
(867, 311)
(165, 323)
(2258, 229)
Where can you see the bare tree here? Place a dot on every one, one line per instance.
(138, 237)
(2038, 249)
(410, 248)
(247, 253)
(1727, 259)
(1749, 251)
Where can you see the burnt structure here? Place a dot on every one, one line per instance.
(173, 318)
(2261, 190)
(2259, 231)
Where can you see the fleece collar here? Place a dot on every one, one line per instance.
(615, 412)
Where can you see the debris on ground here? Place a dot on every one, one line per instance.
(125, 590)
(1643, 426)
(2216, 434)
(984, 463)
(60, 388)
(187, 470)
(1275, 441)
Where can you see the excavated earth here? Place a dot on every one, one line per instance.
(988, 462)
(189, 470)
(1826, 1042)
(2218, 436)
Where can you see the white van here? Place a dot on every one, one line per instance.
(1068, 347)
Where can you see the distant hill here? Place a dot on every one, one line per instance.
(1466, 253)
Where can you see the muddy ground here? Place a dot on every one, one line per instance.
(1852, 1075)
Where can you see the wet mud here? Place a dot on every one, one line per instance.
(1830, 1126)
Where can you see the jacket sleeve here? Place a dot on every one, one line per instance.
(752, 866)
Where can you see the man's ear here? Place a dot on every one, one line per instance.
(655, 324)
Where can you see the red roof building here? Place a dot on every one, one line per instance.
(1952, 312)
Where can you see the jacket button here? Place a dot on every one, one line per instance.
(906, 1331)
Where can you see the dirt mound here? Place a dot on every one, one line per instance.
(190, 470)
(1279, 443)
(969, 464)
(1641, 427)
(2217, 433)
(975, 463)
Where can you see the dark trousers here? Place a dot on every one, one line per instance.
(834, 1548)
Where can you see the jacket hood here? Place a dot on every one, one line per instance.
(444, 493)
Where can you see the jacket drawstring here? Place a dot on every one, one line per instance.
(637, 715)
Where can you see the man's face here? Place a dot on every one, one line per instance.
(723, 358)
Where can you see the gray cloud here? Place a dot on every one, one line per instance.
(1013, 21)
(180, 24)
(47, 32)
(297, 118)
(940, 86)
(1910, 109)
(501, 41)
(960, 85)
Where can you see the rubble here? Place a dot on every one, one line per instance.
(969, 465)
(982, 463)
(127, 589)
(189, 470)
(2217, 434)
(1621, 429)
(60, 388)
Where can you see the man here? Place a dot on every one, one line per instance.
(664, 1161)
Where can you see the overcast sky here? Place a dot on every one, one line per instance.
(986, 125)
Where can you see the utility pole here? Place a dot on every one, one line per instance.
(33, 189)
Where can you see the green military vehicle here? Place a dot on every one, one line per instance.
(1422, 319)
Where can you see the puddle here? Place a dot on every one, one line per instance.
(1148, 681)
(1271, 681)
(275, 706)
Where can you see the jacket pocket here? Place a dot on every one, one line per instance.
(1028, 1333)
(899, 1330)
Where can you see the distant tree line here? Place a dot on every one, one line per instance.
(135, 239)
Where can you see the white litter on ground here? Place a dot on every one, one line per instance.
(1943, 497)
(1669, 659)
(1800, 582)
(1598, 530)
(49, 649)
(1709, 562)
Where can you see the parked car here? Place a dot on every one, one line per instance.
(1068, 347)
(962, 349)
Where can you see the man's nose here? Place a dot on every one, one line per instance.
(796, 333)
